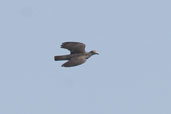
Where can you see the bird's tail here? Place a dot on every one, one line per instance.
(58, 58)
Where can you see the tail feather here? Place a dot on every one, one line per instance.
(57, 58)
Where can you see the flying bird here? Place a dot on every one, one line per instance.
(77, 55)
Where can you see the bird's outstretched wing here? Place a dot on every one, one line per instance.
(74, 47)
(74, 61)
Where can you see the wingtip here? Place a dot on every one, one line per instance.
(62, 45)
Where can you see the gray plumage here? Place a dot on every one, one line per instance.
(77, 55)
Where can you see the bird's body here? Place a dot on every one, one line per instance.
(78, 54)
(68, 57)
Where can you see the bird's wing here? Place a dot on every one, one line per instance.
(74, 61)
(74, 47)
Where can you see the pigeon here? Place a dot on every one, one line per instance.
(77, 55)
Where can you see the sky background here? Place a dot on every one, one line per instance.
(130, 76)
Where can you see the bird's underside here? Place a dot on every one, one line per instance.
(77, 54)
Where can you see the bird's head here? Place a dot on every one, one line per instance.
(94, 52)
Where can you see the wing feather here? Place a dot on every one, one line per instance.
(74, 47)
(74, 62)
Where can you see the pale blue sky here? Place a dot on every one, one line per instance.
(130, 76)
